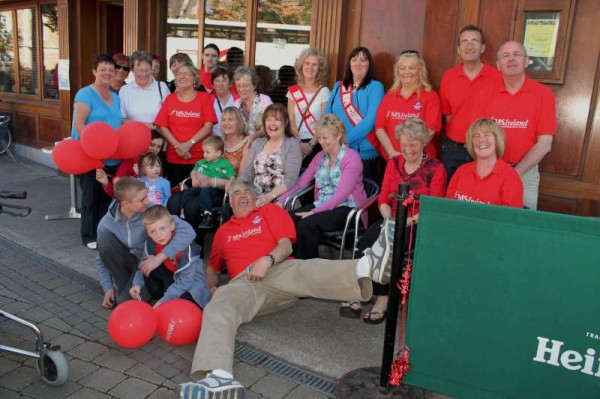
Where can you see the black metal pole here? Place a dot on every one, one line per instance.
(394, 294)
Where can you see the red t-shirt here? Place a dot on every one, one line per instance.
(395, 109)
(503, 186)
(184, 120)
(455, 90)
(429, 179)
(239, 242)
(206, 79)
(528, 113)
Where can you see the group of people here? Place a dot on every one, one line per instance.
(230, 138)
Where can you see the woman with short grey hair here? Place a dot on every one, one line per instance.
(142, 98)
(251, 103)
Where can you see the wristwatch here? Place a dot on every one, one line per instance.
(193, 141)
(271, 258)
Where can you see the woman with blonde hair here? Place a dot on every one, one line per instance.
(488, 179)
(411, 96)
(424, 175)
(307, 99)
(337, 173)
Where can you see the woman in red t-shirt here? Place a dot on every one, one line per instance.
(424, 175)
(411, 96)
(488, 179)
(186, 119)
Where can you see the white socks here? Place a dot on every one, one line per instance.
(222, 374)
(363, 268)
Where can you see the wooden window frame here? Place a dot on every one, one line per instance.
(251, 29)
(36, 5)
(566, 11)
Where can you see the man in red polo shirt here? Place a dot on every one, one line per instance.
(256, 244)
(210, 58)
(526, 110)
(458, 85)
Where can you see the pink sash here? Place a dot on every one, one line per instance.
(351, 112)
(303, 107)
(355, 116)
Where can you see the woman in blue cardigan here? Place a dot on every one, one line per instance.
(355, 101)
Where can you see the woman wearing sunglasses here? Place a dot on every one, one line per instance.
(411, 96)
(121, 72)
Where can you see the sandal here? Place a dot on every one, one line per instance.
(373, 312)
(351, 310)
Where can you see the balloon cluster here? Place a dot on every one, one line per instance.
(133, 323)
(100, 141)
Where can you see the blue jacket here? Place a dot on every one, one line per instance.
(366, 100)
(189, 276)
(133, 234)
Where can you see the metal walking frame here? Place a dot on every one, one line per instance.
(51, 362)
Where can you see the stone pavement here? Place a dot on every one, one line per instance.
(66, 307)
(311, 334)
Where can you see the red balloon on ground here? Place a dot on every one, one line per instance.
(68, 155)
(179, 321)
(132, 324)
(99, 140)
(134, 139)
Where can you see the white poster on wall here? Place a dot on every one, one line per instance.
(63, 75)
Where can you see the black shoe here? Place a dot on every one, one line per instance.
(206, 222)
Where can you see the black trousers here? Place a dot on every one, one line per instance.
(159, 280)
(453, 156)
(94, 204)
(309, 229)
(177, 172)
(121, 264)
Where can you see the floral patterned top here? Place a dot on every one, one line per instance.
(268, 170)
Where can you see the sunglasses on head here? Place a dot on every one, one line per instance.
(415, 52)
(125, 68)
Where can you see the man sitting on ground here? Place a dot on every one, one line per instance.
(256, 244)
(121, 238)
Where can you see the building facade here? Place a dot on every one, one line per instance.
(34, 35)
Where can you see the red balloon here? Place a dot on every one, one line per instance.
(68, 155)
(179, 321)
(99, 140)
(134, 139)
(132, 324)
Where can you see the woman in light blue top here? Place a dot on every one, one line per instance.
(355, 100)
(96, 103)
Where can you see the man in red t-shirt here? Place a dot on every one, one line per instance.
(458, 85)
(256, 244)
(210, 58)
(526, 110)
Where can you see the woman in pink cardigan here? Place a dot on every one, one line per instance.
(337, 173)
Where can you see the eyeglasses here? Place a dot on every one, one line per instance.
(126, 69)
(415, 52)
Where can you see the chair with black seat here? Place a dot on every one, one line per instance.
(353, 226)
(5, 138)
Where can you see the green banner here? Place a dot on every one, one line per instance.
(504, 303)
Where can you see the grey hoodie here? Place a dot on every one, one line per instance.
(133, 234)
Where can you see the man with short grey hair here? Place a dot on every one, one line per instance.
(256, 245)
(526, 110)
